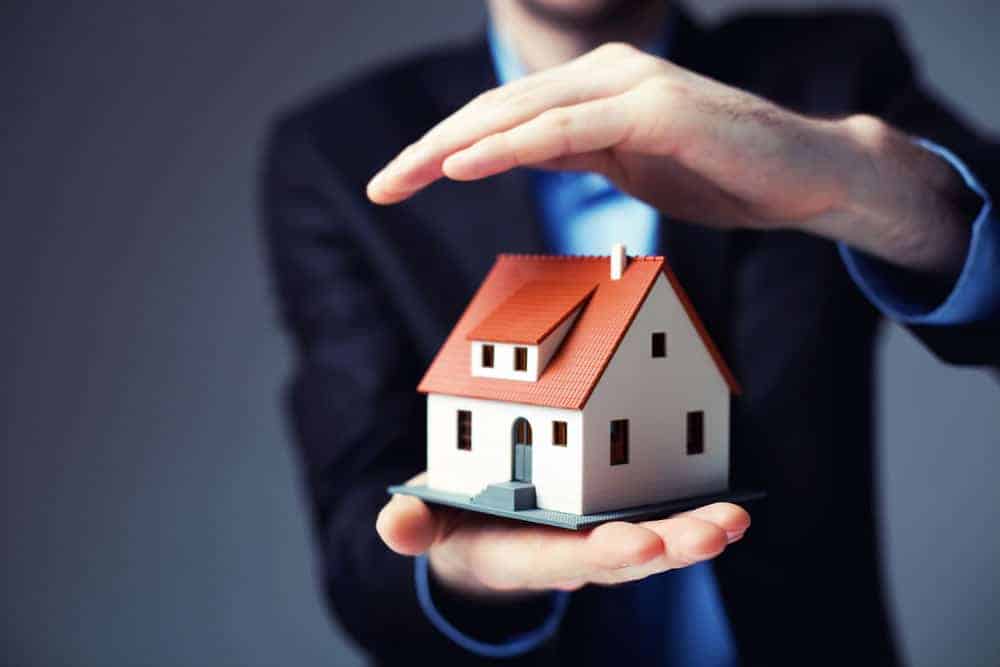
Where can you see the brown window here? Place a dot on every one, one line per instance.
(520, 358)
(619, 441)
(696, 432)
(559, 434)
(464, 429)
(487, 356)
(659, 344)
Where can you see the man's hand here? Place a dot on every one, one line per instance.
(480, 555)
(702, 151)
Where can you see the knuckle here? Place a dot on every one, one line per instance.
(520, 101)
(668, 89)
(869, 130)
(558, 119)
(647, 63)
(617, 50)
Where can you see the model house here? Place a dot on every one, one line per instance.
(578, 385)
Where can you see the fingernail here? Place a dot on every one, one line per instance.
(732, 537)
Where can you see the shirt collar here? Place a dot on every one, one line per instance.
(584, 188)
(508, 68)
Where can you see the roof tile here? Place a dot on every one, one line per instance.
(532, 312)
(515, 287)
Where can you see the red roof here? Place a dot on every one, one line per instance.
(518, 284)
(532, 312)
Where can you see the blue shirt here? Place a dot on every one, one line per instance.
(684, 621)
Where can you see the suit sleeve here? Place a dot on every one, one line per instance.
(972, 294)
(357, 420)
(956, 318)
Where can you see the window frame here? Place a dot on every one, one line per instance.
(619, 454)
(463, 433)
(695, 432)
(520, 358)
(560, 433)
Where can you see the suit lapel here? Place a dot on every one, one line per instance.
(497, 213)
(461, 227)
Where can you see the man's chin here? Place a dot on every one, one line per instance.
(586, 15)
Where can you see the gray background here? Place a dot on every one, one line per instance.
(150, 508)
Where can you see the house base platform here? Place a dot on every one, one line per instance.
(576, 521)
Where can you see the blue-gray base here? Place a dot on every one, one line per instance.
(576, 521)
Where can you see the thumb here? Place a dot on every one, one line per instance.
(407, 525)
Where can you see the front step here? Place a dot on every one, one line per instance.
(507, 496)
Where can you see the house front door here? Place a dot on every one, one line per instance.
(521, 437)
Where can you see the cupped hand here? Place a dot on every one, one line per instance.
(478, 554)
(702, 151)
(644, 122)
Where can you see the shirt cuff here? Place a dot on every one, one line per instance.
(514, 644)
(915, 298)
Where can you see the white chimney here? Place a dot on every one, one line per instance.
(618, 260)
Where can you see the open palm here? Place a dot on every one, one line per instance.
(476, 553)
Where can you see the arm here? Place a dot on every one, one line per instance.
(700, 150)
(956, 314)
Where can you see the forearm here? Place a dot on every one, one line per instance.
(900, 202)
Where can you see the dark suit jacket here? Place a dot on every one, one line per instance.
(370, 293)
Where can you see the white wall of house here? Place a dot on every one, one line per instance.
(655, 395)
(548, 347)
(556, 470)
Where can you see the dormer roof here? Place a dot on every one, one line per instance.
(532, 312)
(544, 290)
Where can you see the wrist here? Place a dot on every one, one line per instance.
(901, 202)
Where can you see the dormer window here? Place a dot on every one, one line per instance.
(520, 358)
(519, 337)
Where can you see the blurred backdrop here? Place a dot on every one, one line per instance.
(151, 513)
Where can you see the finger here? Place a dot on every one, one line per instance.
(514, 103)
(688, 539)
(731, 518)
(407, 525)
(619, 544)
(566, 131)
(502, 108)
(420, 164)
